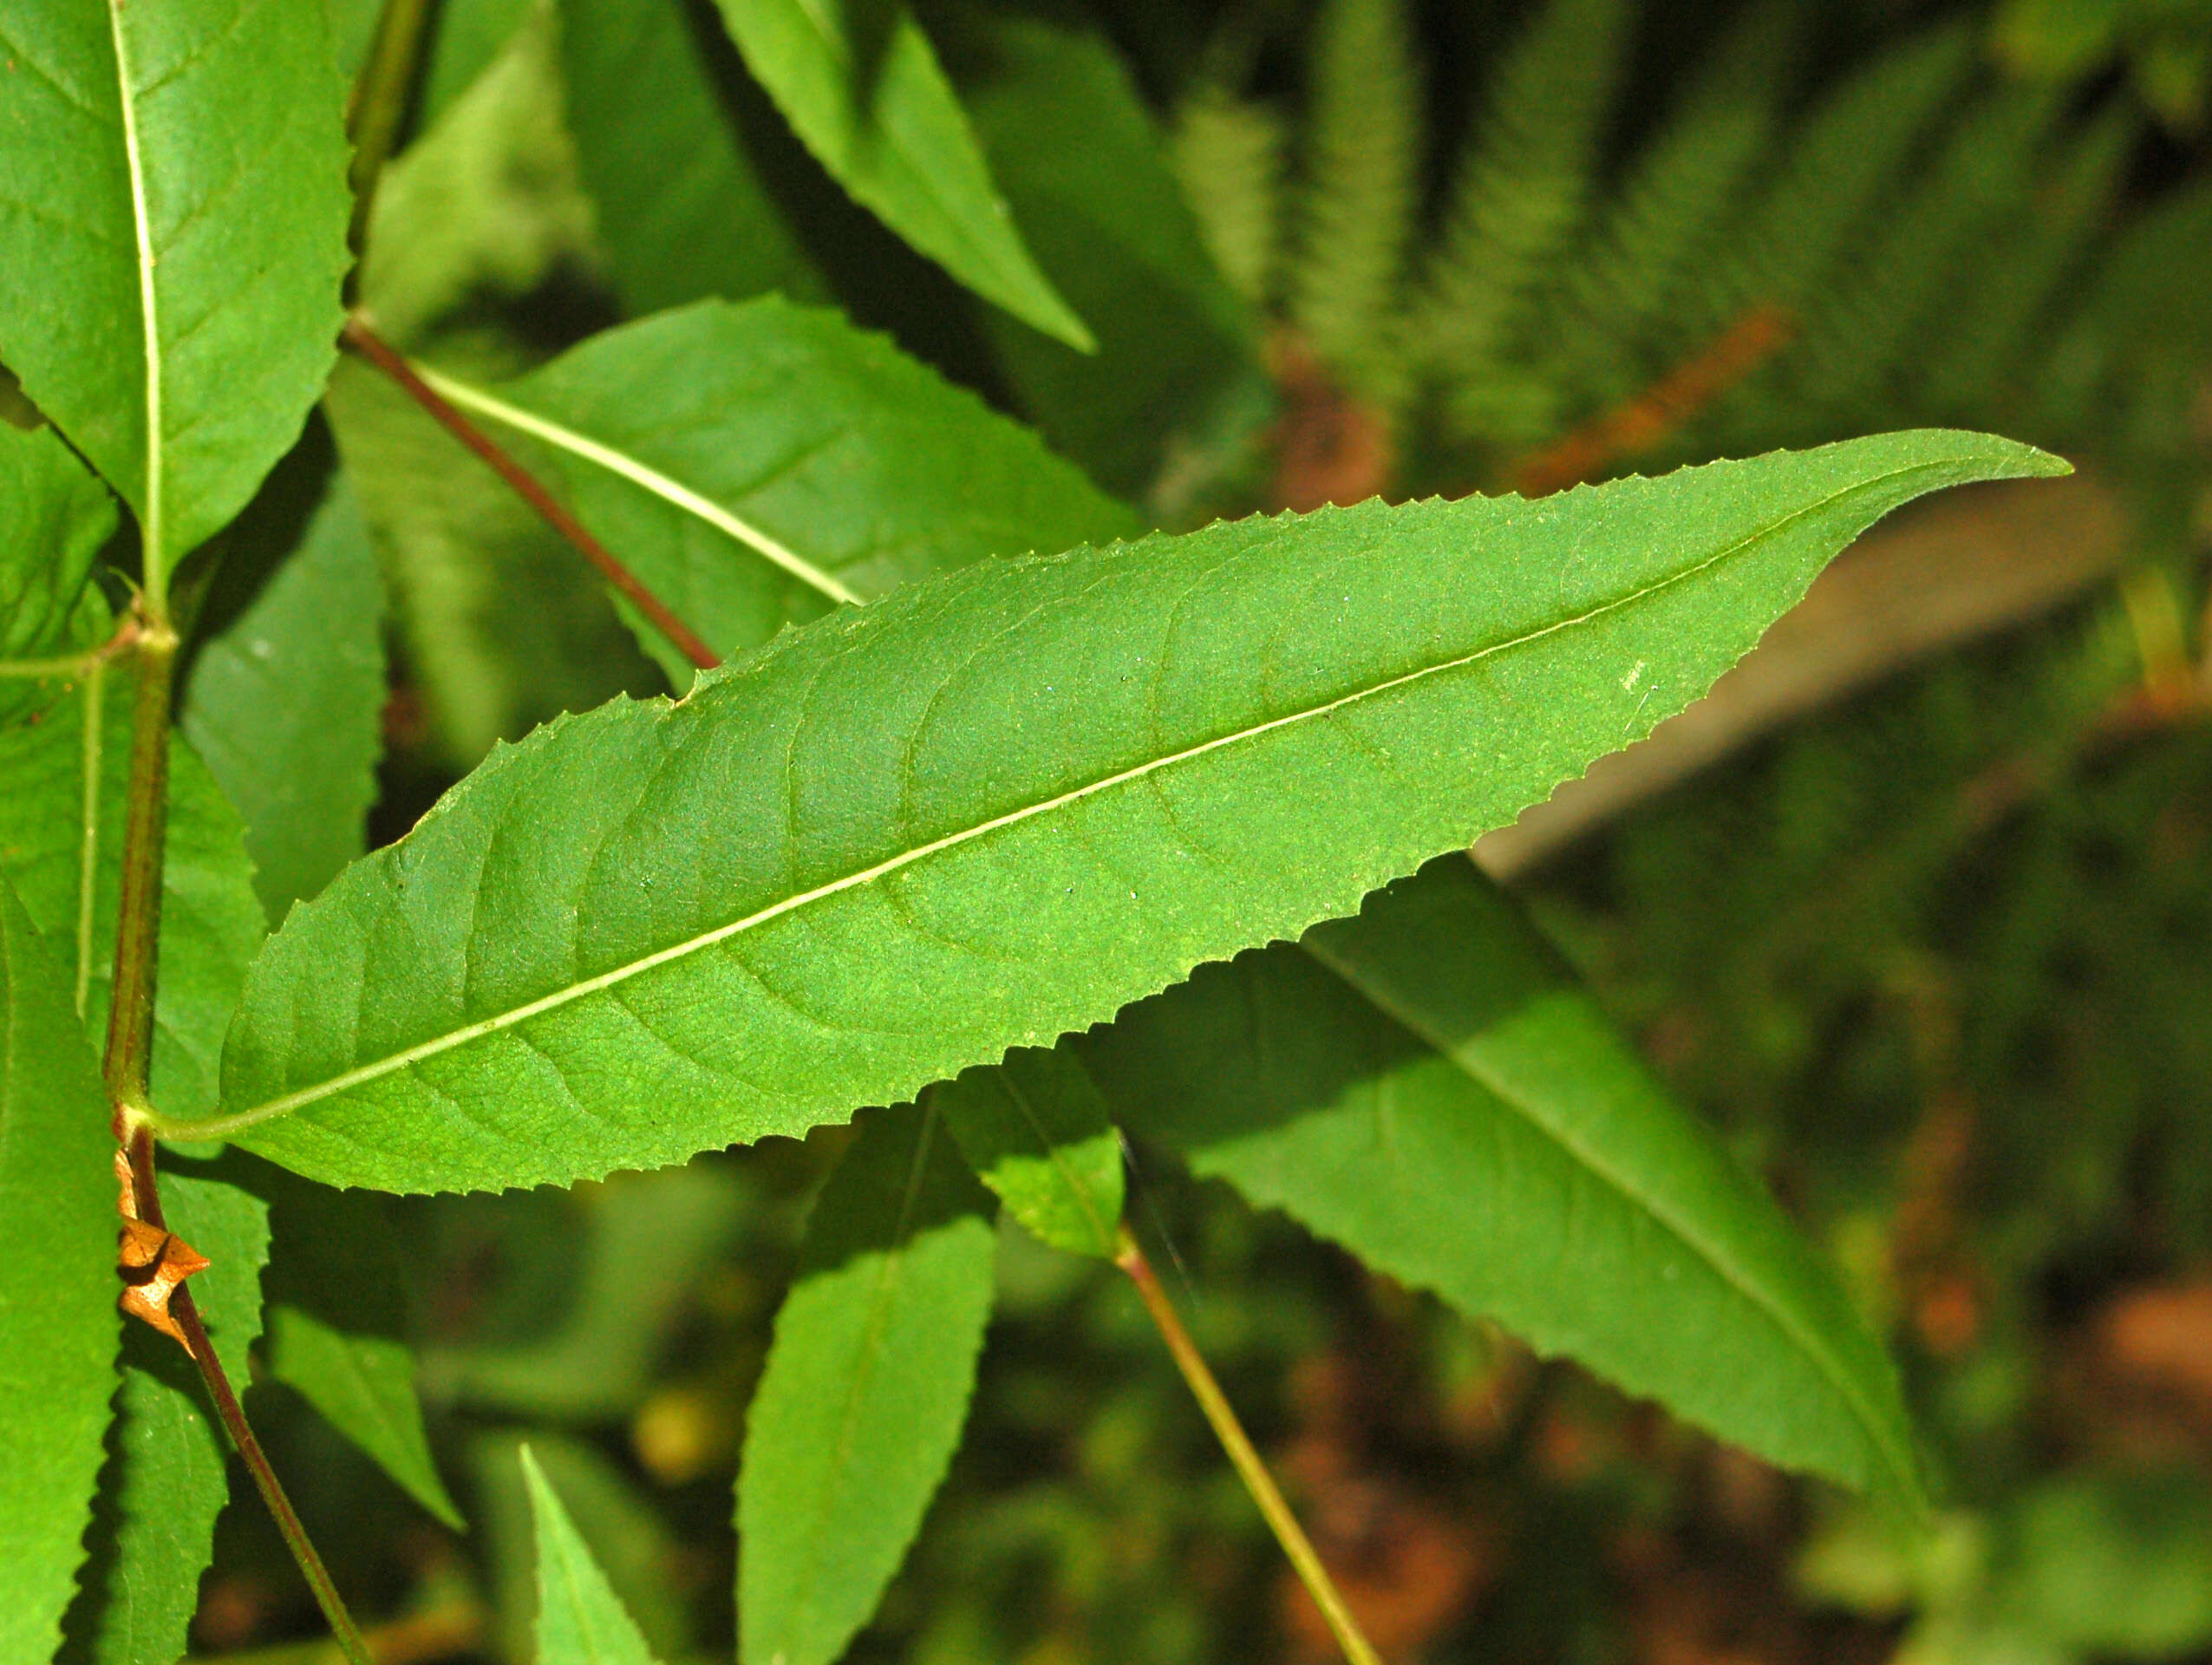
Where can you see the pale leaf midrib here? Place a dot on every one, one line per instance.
(230, 1126)
(1625, 1188)
(642, 475)
(149, 315)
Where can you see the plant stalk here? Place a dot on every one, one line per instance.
(127, 1062)
(1249, 1467)
(128, 1058)
(365, 341)
(376, 110)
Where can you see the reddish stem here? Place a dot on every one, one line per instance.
(371, 346)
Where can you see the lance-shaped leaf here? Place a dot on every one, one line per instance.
(57, 1302)
(167, 1479)
(1073, 143)
(174, 213)
(1425, 1085)
(284, 698)
(866, 1388)
(66, 759)
(1035, 1130)
(337, 1331)
(580, 1619)
(995, 807)
(757, 465)
(663, 137)
(859, 82)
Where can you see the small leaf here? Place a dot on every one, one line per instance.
(859, 82)
(993, 807)
(757, 465)
(338, 1326)
(1074, 145)
(1427, 1086)
(165, 1479)
(867, 1384)
(579, 1620)
(174, 214)
(57, 1317)
(1035, 1128)
(284, 695)
(626, 1532)
(665, 136)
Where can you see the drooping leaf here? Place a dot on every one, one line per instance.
(580, 1620)
(997, 807)
(1426, 1085)
(154, 1521)
(1035, 1130)
(54, 517)
(62, 845)
(174, 214)
(337, 1331)
(284, 698)
(755, 464)
(663, 131)
(860, 83)
(866, 1388)
(1076, 151)
(57, 1302)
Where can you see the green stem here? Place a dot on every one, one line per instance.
(1250, 1468)
(128, 1061)
(129, 1055)
(378, 105)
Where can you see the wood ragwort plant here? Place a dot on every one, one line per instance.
(980, 805)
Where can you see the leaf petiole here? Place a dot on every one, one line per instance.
(1245, 1457)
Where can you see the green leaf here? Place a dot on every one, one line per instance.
(859, 82)
(1075, 149)
(1035, 1131)
(61, 847)
(580, 1622)
(997, 807)
(1425, 1085)
(664, 133)
(756, 465)
(174, 214)
(867, 1384)
(153, 1522)
(57, 1304)
(284, 695)
(338, 1324)
(627, 1536)
(54, 517)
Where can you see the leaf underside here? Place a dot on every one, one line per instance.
(995, 807)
